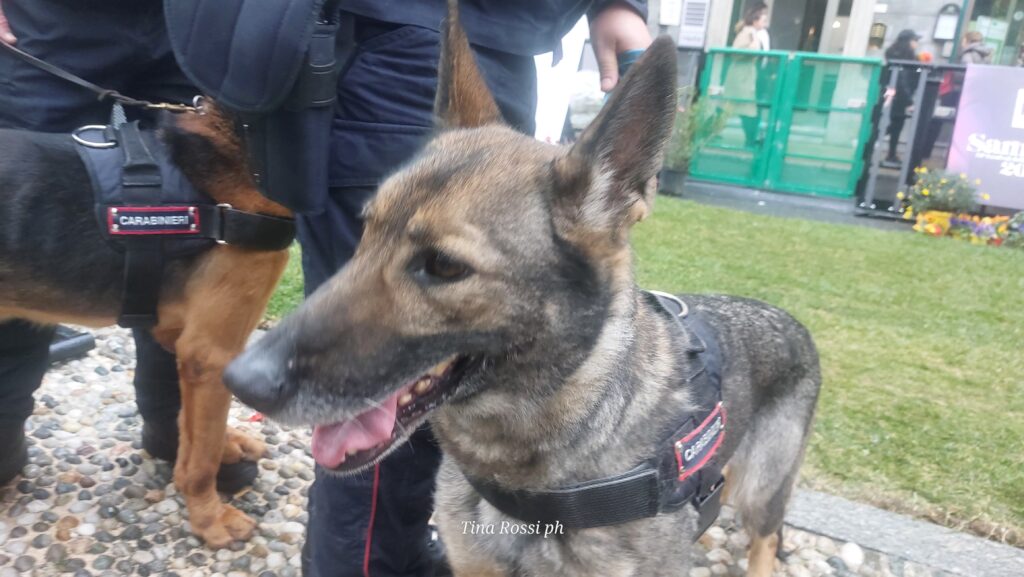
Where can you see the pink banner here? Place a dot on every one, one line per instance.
(988, 140)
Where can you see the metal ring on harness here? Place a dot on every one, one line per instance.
(76, 132)
(199, 102)
(683, 309)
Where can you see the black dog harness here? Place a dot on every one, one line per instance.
(149, 211)
(683, 472)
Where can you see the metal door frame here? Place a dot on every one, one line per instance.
(768, 159)
(789, 106)
(760, 156)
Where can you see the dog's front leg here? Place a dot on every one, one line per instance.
(204, 411)
(222, 306)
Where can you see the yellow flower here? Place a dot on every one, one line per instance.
(899, 195)
(943, 181)
(985, 196)
(909, 214)
(925, 192)
(977, 181)
(963, 176)
(924, 170)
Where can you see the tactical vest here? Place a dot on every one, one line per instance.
(275, 64)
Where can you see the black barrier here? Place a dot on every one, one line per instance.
(921, 101)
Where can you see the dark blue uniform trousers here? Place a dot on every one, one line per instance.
(375, 524)
(118, 44)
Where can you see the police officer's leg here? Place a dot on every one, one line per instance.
(24, 349)
(155, 75)
(84, 40)
(377, 519)
(376, 523)
(35, 100)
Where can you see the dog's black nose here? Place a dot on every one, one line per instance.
(259, 378)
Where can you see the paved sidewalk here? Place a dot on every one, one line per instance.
(821, 208)
(904, 539)
(92, 503)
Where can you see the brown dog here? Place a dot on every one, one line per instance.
(55, 266)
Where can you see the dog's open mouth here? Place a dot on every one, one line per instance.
(363, 439)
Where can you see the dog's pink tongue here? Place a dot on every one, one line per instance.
(332, 442)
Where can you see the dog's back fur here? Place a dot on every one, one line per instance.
(45, 242)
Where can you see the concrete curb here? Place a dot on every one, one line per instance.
(817, 208)
(902, 537)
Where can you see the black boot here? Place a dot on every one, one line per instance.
(13, 452)
(160, 439)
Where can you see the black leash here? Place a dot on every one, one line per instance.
(101, 93)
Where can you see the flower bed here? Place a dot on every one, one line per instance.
(993, 230)
(943, 205)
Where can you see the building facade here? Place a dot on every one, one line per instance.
(867, 27)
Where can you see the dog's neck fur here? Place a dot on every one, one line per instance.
(487, 436)
(210, 153)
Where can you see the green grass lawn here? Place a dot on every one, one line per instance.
(921, 341)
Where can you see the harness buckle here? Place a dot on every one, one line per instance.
(223, 206)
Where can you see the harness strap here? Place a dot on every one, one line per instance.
(662, 484)
(248, 230)
(144, 261)
(609, 501)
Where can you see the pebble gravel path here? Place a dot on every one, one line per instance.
(91, 502)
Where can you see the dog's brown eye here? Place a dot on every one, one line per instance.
(442, 267)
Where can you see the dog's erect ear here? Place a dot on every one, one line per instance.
(607, 180)
(463, 99)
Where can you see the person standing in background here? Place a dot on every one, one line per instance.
(742, 77)
(904, 48)
(973, 49)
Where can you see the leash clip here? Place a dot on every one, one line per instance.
(76, 136)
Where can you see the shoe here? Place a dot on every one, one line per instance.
(161, 441)
(14, 455)
(438, 554)
(892, 161)
(70, 344)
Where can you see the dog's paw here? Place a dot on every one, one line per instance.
(230, 525)
(240, 446)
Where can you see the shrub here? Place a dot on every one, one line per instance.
(696, 123)
(937, 190)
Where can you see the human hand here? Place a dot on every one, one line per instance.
(616, 29)
(5, 28)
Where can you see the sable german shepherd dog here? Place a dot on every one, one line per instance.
(493, 294)
(55, 266)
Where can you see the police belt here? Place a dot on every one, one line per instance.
(686, 470)
(148, 210)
